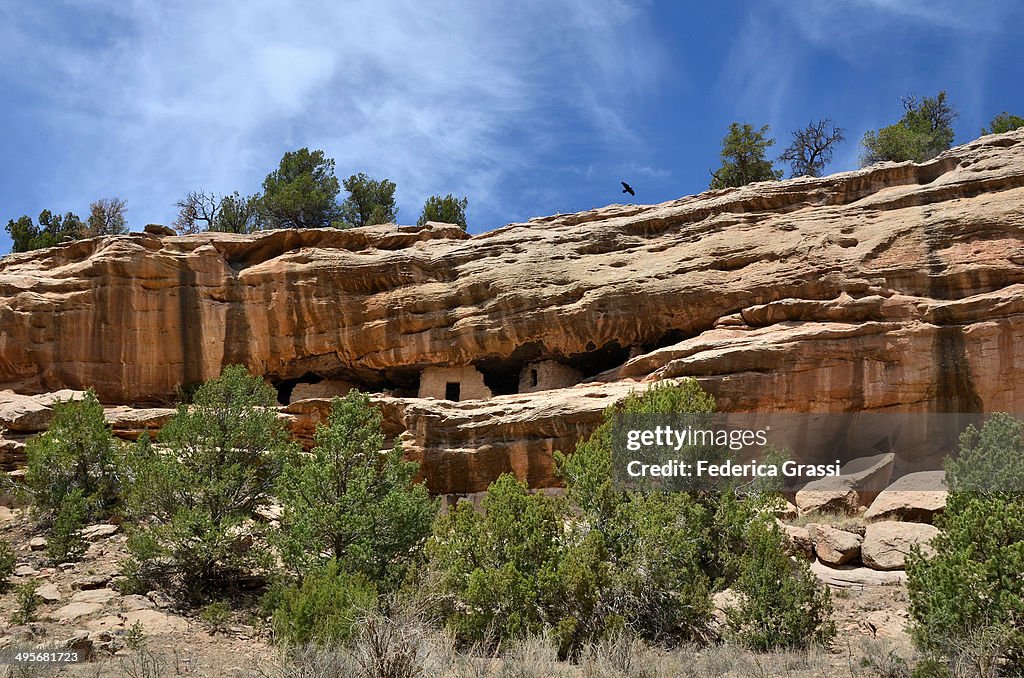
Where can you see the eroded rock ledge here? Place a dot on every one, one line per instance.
(894, 287)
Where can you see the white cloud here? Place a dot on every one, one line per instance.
(149, 100)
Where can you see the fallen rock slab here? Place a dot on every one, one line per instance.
(858, 483)
(915, 497)
(852, 576)
(887, 544)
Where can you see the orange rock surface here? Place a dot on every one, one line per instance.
(897, 286)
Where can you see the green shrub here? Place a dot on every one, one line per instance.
(65, 543)
(924, 131)
(28, 602)
(348, 502)
(78, 452)
(496, 571)
(196, 494)
(608, 561)
(781, 604)
(324, 608)
(8, 560)
(217, 615)
(972, 588)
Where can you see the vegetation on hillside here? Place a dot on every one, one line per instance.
(342, 538)
(924, 131)
(967, 601)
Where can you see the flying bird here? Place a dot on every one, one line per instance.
(626, 188)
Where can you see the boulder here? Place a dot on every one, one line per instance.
(834, 546)
(858, 483)
(914, 497)
(887, 544)
(31, 414)
(37, 543)
(159, 230)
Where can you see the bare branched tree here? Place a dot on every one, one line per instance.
(197, 211)
(812, 148)
(106, 217)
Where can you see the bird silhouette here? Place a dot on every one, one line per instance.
(626, 188)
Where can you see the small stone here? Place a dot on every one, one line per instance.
(81, 643)
(25, 571)
(37, 543)
(103, 636)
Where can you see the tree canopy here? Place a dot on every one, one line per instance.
(743, 157)
(924, 131)
(1004, 122)
(447, 210)
(369, 201)
(349, 502)
(106, 217)
(302, 192)
(53, 229)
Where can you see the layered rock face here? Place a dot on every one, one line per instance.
(894, 287)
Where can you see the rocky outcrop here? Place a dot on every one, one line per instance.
(897, 287)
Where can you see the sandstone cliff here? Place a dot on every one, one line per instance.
(898, 286)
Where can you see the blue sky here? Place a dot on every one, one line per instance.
(527, 108)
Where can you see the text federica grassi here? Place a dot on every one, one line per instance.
(706, 469)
